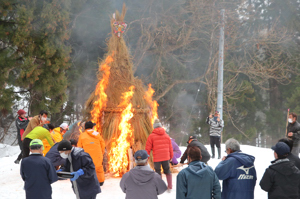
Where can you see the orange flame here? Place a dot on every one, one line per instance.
(118, 155)
(100, 93)
(153, 104)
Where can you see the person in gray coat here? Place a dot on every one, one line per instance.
(142, 181)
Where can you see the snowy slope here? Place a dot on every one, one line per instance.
(11, 184)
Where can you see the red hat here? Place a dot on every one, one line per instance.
(21, 112)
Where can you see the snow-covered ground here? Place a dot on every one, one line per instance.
(11, 184)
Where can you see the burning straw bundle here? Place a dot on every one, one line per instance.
(116, 90)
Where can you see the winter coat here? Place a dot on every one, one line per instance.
(87, 184)
(204, 152)
(198, 181)
(38, 175)
(160, 143)
(176, 151)
(142, 182)
(21, 124)
(54, 156)
(281, 180)
(216, 127)
(294, 128)
(56, 137)
(40, 133)
(93, 144)
(294, 159)
(34, 122)
(239, 176)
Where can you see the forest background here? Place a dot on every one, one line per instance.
(49, 53)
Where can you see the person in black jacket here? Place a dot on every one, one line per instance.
(291, 157)
(21, 124)
(37, 173)
(282, 178)
(85, 182)
(293, 129)
(194, 142)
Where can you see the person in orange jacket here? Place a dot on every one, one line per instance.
(57, 136)
(93, 144)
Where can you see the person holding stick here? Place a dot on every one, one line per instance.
(293, 129)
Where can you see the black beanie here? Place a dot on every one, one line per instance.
(64, 145)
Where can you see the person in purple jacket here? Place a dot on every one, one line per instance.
(176, 152)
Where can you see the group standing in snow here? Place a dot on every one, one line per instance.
(83, 160)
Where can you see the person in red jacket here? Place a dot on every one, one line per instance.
(160, 144)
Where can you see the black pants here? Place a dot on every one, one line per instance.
(21, 148)
(215, 140)
(165, 165)
(26, 150)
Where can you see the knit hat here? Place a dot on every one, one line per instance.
(64, 145)
(21, 112)
(281, 148)
(156, 123)
(36, 144)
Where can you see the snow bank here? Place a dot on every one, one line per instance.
(11, 184)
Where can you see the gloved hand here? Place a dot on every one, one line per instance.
(76, 174)
(59, 170)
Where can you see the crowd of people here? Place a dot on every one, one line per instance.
(45, 155)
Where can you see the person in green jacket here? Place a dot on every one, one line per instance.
(37, 133)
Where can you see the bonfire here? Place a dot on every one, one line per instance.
(121, 106)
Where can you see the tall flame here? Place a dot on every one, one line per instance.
(153, 104)
(100, 93)
(118, 155)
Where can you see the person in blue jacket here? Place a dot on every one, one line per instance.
(37, 172)
(237, 172)
(84, 183)
(54, 155)
(197, 180)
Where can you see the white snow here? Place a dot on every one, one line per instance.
(11, 184)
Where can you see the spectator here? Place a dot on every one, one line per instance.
(37, 173)
(38, 120)
(215, 130)
(55, 157)
(93, 144)
(282, 178)
(57, 136)
(194, 142)
(21, 124)
(85, 183)
(292, 130)
(237, 172)
(160, 143)
(197, 180)
(291, 157)
(176, 152)
(142, 181)
(37, 133)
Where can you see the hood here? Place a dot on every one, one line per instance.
(75, 151)
(244, 159)
(92, 133)
(198, 168)
(159, 131)
(284, 167)
(142, 174)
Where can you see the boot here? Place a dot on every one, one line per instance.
(219, 153)
(212, 152)
(169, 180)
